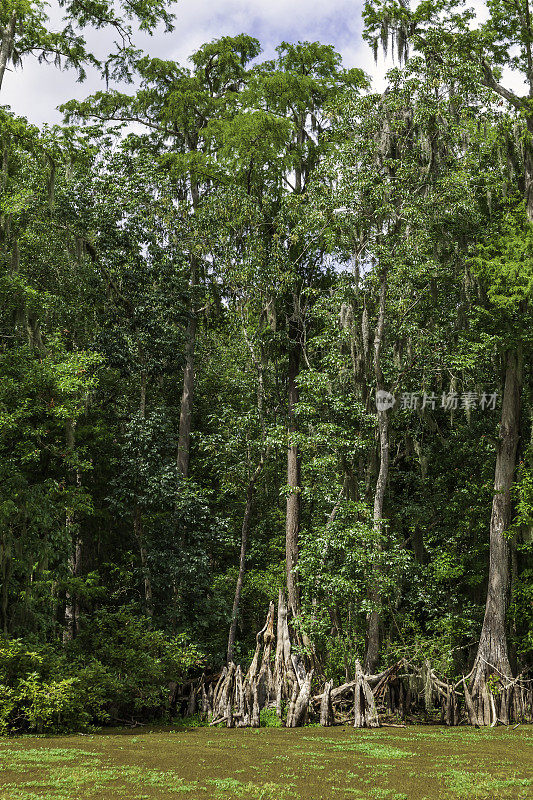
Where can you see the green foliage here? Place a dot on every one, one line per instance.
(118, 669)
(33, 34)
(131, 663)
(505, 260)
(268, 718)
(36, 698)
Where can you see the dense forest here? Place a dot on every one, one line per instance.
(265, 342)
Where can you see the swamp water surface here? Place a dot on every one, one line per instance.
(414, 763)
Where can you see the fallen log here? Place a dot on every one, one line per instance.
(391, 725)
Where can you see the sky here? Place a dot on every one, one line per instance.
(36, 90)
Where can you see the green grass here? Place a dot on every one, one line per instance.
(229, 787)
(42, 755)
(271, 764)
(367, 747)
(483, 786)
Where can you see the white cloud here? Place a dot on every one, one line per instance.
(36, 90)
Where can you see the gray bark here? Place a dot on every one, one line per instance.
(242, 559)
(5, 573)
(492, 655)
(187, 396)
(284, 677)
(326, 709)
(300, 703)
(138, 530)
(373, 638)
(137, 514)
(73, 539)
(292, 527)
(187, 393)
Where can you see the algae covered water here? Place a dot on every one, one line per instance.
(415, 763)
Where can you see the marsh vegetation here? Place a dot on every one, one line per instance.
(419, 763)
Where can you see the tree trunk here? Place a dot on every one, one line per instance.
(492, 655)
(187, 394)
(137, 514)
(138, 530)
(284, 676)
(73, 540)
(293, 482)
(6, 46)
(5, 571)
(300, 703)
(528, 172)
(242, 569)
(365, 713)
(242, 561)
(326, 709)
(372, 649)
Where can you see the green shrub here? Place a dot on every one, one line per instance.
(117, 668)
(130, 664)
(8, 704)
(49, 707)
(269, 719)
(34, 695)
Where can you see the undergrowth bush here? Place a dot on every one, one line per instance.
(116, 669)
(268, 718)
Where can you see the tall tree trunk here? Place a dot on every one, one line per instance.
(242, 560)
(249, 496)
(528, 171)
(137, 514)
(5, 572)
(6, 45)
(187, 397)
(184, 435)
(492, 655)
(187, 393)
(73, 540)
(147, 580)
(242, 570)
(373, 638)
(292, 526)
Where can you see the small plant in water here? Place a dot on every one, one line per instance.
(190, 722)
(269, 719)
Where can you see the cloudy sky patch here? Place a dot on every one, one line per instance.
(36, 90)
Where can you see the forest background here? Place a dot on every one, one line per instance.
(210, 273)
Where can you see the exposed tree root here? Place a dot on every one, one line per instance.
(279, 680)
